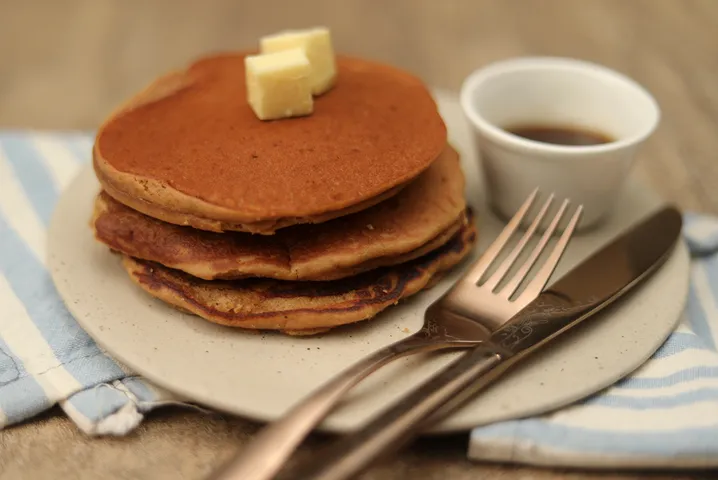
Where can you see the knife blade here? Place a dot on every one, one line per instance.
(588, 288)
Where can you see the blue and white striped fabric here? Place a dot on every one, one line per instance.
(45, 357)
(664, 415)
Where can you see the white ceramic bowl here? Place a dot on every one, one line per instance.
(556, 92)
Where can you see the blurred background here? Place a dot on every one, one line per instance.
(64, 64)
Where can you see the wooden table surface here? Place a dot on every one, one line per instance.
(66, 64)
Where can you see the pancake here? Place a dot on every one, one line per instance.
(421, 218)
(189, 150)
(299, 308)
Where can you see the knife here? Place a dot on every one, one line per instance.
(588, 288)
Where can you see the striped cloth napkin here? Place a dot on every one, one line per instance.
(665, 414)
(45, 357)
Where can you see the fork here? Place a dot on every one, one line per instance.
(462, 318)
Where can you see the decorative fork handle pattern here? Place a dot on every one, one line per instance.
(442, 394)
(274, 445)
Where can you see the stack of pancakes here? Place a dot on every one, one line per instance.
(297, 225)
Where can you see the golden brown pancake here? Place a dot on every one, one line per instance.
(298, 308)
(421, 218)
(189, 150)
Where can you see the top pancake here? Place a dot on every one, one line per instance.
(189, 150)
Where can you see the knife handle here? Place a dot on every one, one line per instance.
(271, 448)
(353, 453)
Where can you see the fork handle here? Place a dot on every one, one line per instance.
(443, 393)
(274, 444)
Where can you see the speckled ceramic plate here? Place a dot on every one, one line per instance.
(261, 375)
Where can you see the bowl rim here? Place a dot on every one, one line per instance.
(476, 78)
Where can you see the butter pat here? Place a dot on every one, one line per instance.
(278, 84)
(317, 45)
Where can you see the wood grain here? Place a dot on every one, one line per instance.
(66, 64)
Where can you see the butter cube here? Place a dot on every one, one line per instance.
(317, 45)
(278, 84)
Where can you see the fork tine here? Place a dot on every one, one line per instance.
(519, 277)
(509, 261)
(538, 282)
(488, 257)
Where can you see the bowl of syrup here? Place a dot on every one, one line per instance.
(566, 126)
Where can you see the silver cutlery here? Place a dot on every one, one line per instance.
(463, 317)
(588, 288)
